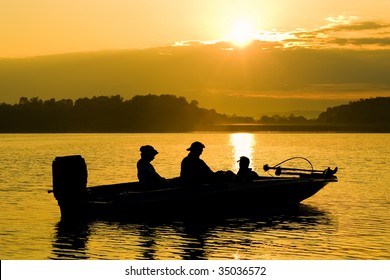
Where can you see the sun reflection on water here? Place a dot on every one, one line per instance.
(243, 144)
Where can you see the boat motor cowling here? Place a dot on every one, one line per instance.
(70, 184)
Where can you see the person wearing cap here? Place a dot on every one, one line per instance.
(245, 173)
(195, 171)
(146, 173)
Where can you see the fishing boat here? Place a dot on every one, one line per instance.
(288, 187)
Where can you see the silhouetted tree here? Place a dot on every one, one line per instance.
(150, 113)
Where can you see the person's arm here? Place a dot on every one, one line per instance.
(206, 169)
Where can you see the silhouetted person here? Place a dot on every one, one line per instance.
(195, 171)
(147, 175)
(245, 173)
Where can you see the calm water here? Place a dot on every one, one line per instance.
(346, 220)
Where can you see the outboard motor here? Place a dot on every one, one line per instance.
(70, 185)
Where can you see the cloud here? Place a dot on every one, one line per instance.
(338, 32)
(340, 20)
(359, 26)
(362, 41)
(341, 32)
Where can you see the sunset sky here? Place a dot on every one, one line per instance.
(47, 27)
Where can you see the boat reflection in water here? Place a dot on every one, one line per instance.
(243, 236)
(70, 240)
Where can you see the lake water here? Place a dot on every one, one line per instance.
(346, 220)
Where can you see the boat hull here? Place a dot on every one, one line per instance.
(131, 200)
(128, 200)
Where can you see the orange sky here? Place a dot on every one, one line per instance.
(305, 54)
(42, 27)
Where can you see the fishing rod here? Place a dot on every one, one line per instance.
(267, 167)
(282, 170)
(287, 171)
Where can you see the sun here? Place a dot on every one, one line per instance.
(242, 33)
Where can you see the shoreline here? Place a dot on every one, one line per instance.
(309, 128)
(342, 128)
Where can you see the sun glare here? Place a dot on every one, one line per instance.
(243, 145)
(242, 34)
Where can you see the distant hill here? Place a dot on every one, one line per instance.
(365, 111)
(364, 115)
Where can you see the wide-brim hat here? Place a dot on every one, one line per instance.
(196, 146)
(148, 149)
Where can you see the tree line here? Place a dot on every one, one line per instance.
(164, 113)
(148, 113)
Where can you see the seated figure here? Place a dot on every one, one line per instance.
(245, 173)
(147, 175)
(195, 171)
